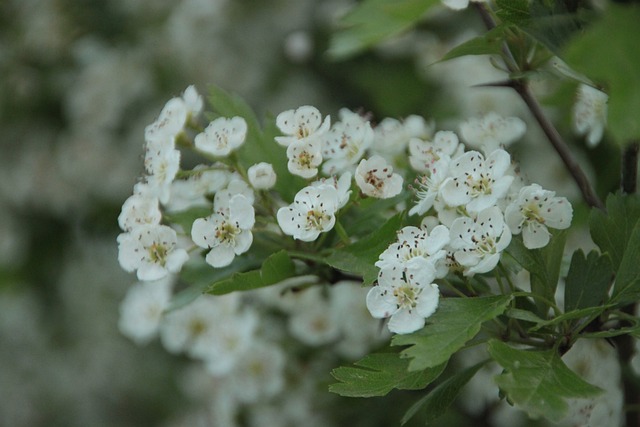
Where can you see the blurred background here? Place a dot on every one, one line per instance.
(79, 81)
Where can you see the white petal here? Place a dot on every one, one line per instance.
(380, 302)
(428, 301)
(203, 232)
(535, 235)
(220, 256)
(405, 321)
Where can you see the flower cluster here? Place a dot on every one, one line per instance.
(468, 205)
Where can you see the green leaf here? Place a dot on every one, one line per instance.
(588, 280)
(275, 268)
(627, 284)
(612, 229)
(373, 21)
(608, 52)
(456, 321)
(538, 381)
(489, 43)
(513, 11)
(360, 257)
(436, 403)
(543, 265)
(379, 373)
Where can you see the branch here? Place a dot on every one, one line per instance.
(629, 180)
(554, 137)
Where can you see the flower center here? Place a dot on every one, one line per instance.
(158, 253)
(315, 219)
(226, 232)
(406, 296)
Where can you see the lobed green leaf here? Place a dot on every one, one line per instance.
(437, 401)
(373, 21)
(538, 381)
(379, 373)
(587, 281)
(455, 322)
(627, 285)
(275, 268)
(611, 230)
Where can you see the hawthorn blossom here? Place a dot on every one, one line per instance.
(236, 186)
(590, 113)
(533, 211)
(346, 142)
(262, 176)
(143, 307)
(152, 251)
(375, 178)
(429, 186)
(492, 131)
(311, 213)
(162, 163)
(138, 210)
(195, 190)
(424, 154)
(477, 243)
(405, 294)
(193, 102)
(170, 122)
(222, 136)
(414, 243)
(304, 157)
(302, 123)
(342, 184)
(459, 4)
(226, 233)
(476, 183)
(391, 136)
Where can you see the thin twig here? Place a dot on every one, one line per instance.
(547, 126)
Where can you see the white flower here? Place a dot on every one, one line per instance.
(405, 294)
(375, 178)
(346, 142)
(304, 157)
(311, 213)
(162, 163)
(459, 4)
(590, 113)
(533, 211)
(415, 243)
(170, 122)
(226, 233)
(477, 183)
(138, 210)
(424, 154)
(258, 373)
(300, 124)
(193, 102)
(142, 309)
(312, 323)
(190, 328)
(228, 338)
(222, 136)
(391, 136)
(342, 184)
(152, 250)
(429, 186)
(262, 176)
(478, 243)
(236, 186)
(193, 191)
(492, 131)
